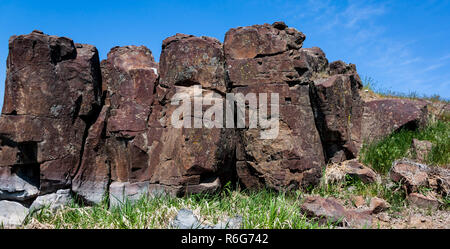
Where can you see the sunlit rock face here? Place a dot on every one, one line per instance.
(52, 96)
(270, 59)
(99, 129)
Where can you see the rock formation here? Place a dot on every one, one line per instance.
(71, 122)
(267, 59)
(52, 96)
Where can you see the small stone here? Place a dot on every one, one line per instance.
(186, 219)
(336, 172)
(329, 210)
(422, 201)
(231, 223)
(359, 201)
(411, 174)
(358, 219)
(383, 217)
(12, 214)
(378, 205)
(355, 169)
(121, 192)
(279, 25)
(54, 201)
(421, 148)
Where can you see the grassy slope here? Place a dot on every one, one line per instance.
(381, 154)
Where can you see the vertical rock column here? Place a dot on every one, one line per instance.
(338, 110)
(117, 156)
(53, 90)
(189, 160)
(269, 59)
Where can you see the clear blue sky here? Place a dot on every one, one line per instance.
(403, 45)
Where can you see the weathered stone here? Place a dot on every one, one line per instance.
(353, 168)
(338, 110)
(92, 179)
(423, 201)
(265, 59)
(185, 219)
(358, 219)
(411, 174)
(337, 172)
(124, 192)
(189, 160)
(52, 95)
(421, 148)
(384, 116)
(378, 205)
(18, 183)
(439, 180)
(358, 201)
(68, 122)
(12, 214)
(328, 210)
(53, 201)
(230, 223)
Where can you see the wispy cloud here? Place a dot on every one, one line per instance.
(362, 32)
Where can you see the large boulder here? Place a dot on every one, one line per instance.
(52, 96)
(134, 146)
(383, 116)
(338, 110)
(12, 214)
(269, 59)
(116, 147)
(191, 158)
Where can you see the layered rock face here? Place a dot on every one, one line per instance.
(269, 59)
(70, 122)
(190, 159)
(117, 141)
(338, 109)
(52, 96)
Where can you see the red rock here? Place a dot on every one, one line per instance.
(384, 116)
(189, 160)
(412, 175)
(378, 205)
(52, 96)
(69, 122)
(338, 110)
(358, 201)
(353, 168)
(423, 201)
(328, 210)
(268, 59)
(421, 148)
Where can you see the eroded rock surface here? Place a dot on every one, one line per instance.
(70, 122)
(330, 211)
(52, 96)
(12, 214)
(269, 59)
(384, 116)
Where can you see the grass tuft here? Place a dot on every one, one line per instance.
(381, 154)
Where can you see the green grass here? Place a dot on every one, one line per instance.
(350, 187)
(261, 209)
(381, 154)
(371, 85)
